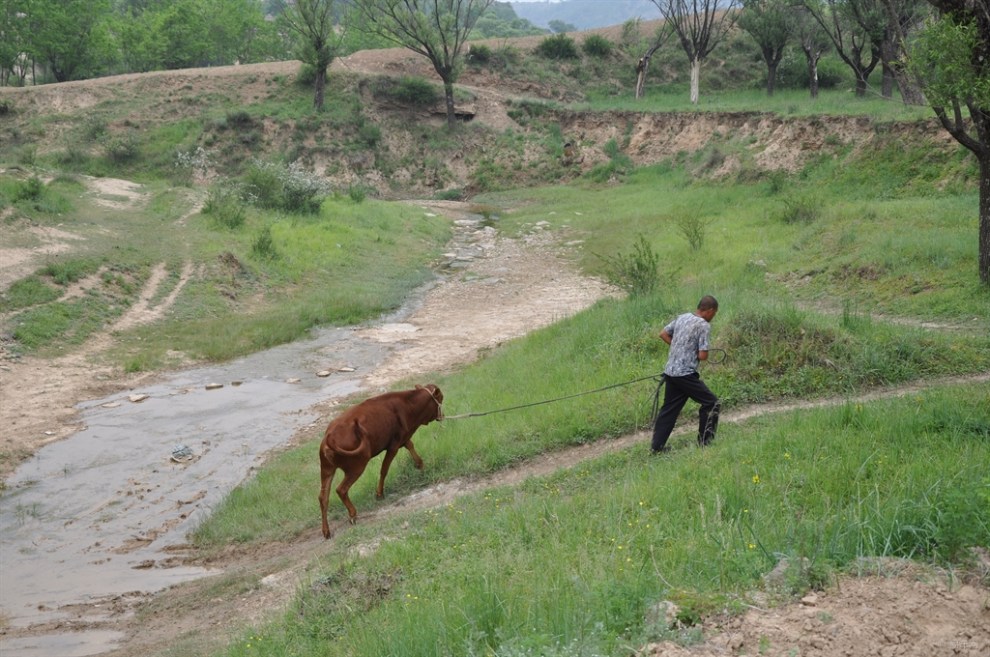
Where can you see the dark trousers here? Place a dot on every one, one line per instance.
(678, 389)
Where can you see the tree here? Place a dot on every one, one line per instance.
(436, 29)
(904, 18)
(852, 43)
(700, 26)
(71, 37)
(952, 59)
(663, 34)
(769, 23)
(313, 22)
(560, 27)
(813, 42)
(13, 41)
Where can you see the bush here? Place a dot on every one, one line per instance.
(275, 186)
(637, 273)
(224, 205)
(693, 227)
(29, 190)
(558, 46)
(479, 54)
(369, 134)
(122, 149)
(800, 209)
(597, 46)
(264, 246)
(415, 91)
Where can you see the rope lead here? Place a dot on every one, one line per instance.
(549, 401)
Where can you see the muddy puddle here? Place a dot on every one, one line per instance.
(104, 514)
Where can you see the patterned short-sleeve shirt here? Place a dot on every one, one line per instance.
(689, 335)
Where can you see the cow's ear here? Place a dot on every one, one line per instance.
(419, 387)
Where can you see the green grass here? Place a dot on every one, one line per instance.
(775, 353)
(572, 563)
(237, 302)
(784, 103)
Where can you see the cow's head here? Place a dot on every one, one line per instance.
(437, 396)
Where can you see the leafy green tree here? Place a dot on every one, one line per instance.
(769, 23)
(314, 22)
(502, 21)
(71, 37)
(13, 41)
(560, 27)
(700, 25)
(436, 29)
(952, 59)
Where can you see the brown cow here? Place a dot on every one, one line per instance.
(379, 424)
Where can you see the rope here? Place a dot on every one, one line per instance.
(660, 378)
(549, 401)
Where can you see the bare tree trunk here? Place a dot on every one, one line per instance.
(320, 85)
(642, 65)
(695, 79)
(886, 80)
(448, 92)
(984, 257)
(771, 78)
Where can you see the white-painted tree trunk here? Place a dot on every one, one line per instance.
(695, 79)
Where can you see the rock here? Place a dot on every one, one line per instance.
(138, 397)
(214, 386)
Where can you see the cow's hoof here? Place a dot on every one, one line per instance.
(352, 520)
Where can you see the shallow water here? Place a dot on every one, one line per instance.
(101, 515)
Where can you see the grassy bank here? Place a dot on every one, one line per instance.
(572, 564)
(262, 280)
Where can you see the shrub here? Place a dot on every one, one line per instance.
(239, 119)
(369, 134)
(638, 272)
(122, 149)
(415, 91)
(224, 205)
(479, 54)
(693, 227)
(278, 187)
(800, 209)
(264, 246)
(29, 190)
(357, 193)
(558, 46)
(597, 46)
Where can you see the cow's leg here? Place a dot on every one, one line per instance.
(418, 462)
(327, 471)
(386, 463)
(350, 476)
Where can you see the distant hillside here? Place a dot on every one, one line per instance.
(586, 14)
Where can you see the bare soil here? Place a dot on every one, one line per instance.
(514, 286)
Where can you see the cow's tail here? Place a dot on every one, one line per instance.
(359, 434)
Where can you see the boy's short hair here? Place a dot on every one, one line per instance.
(708, 302)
